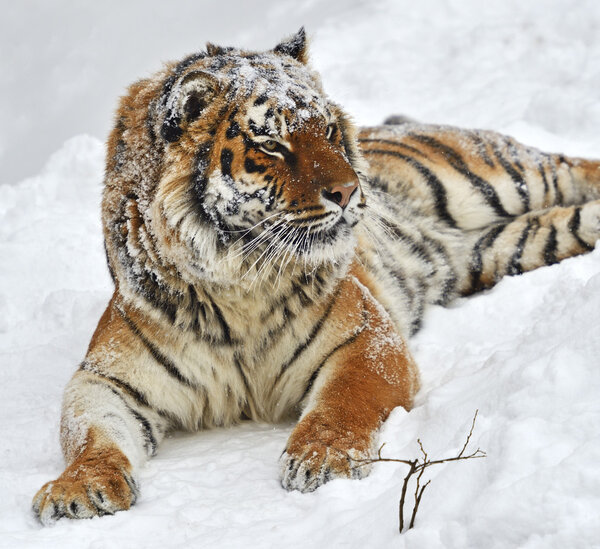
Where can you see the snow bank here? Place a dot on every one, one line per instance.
(525, 354)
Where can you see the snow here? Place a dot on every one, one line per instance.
(525, 354)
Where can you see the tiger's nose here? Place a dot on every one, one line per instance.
(340, 194)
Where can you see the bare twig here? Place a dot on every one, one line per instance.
(469, 435)
(418, 496)
(413, 465)
(417, 467)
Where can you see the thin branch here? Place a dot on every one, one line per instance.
(413, 464)
(418, 496)
(469, 435)
(418, 466)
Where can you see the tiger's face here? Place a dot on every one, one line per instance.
(269, 163)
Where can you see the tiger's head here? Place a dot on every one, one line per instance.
(235, 162)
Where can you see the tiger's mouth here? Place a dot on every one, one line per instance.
(304, 238)
(321, 235)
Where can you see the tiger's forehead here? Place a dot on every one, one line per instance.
(273, 92)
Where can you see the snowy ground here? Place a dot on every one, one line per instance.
(525, 354)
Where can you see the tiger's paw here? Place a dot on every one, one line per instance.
(86, 491)
(317, 464)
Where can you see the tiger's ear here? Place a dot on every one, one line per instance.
(295, 46)
(213, 50)
(189, 98)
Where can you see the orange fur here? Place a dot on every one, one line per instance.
(97, 481)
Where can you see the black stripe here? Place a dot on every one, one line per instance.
(226, 159)
(558, 194)
(394, 143)
(418, 312)
(149, 124)
(225, 330)
(232, 114)
(456, 161)
(196, 309)
(238, 364)
(258, 130)
(574, 229)
(303, 297)
(540, 168)
(513, 152)
(481, 148)
(304, 209)
(281, 189)
(415, 247)
(164, 361)
(298, 99)
(261, 99)
(233, 130)
(150, 443)
(378, 184)
(514, 265)
(450, 283)
(110, 269)
(439, 192)
(313, 334)
(318, 369)
(273, 336)
(200, 178)
(137, 395)
(308, 219)
(270, 201)
(396, 272)
(252, 167)
(485, 242)
(551, 247)
(145, 283)
(520, 185)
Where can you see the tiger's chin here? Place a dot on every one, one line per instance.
(331, 250)
(311, 250)
(329, 245)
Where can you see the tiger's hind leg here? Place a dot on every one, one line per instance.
(530, 241)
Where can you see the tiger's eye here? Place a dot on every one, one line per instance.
(269, 145)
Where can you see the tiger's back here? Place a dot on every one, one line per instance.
(454, 210)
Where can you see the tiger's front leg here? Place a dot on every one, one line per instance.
(108, 426)
(356, 388)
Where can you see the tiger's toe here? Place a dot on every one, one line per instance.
(318, 464)
(85, 494)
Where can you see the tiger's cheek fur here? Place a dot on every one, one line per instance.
(242, 188)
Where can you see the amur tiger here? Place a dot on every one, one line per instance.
(271, 260)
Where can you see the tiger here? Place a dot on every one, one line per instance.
(271, 260)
